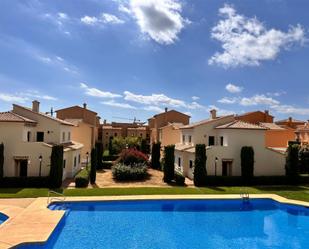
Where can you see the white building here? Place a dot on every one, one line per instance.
(224, 137)
(28, 136)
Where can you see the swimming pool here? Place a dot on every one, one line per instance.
(154, 224)
(3, 218)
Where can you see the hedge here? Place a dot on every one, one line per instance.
(155, 155)
(93, 166)
(247, 163)
(25, 182)
(56, 166)
(169, 163)
(200, 172)
(179, 179)
(110, 158)
(82, 179)
(123, 172)
(107, 164)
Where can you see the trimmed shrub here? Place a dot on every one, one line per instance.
(99, 149)
(56, 166)
(110, 158)
(179, 179)
(122, 172)
(107, 164)
(200, 172)
(132, 156)
(247, 163)
(82, 179)
(155, 155)
(93, 166)
(292, 162)
(1, 160)
(169, 163)
(304, 159)
(145, 148)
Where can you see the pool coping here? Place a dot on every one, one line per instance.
(36, 223)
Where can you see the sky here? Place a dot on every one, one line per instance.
(132, 58)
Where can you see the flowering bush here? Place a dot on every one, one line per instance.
(132, 172)
(132, 156)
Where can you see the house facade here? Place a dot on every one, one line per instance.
(162, 119)
(302, 133)
(169, 134)
(85, 129)
(28, 137)
(224, 137)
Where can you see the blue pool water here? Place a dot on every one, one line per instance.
(3, 218)
(211, 224)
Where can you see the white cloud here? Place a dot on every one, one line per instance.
(233, 88)
(89, 20)
(153, 109)
(58, 19)
(12, 98)
(288, 109)
(118, 104)
(160, 20)
(276, 94)
(63, 16)
(109, 18)
(195, 98)
(104, 18)
(227, 100)
(258, 100)
(94, 92)
(246, 41)
(124, 9)
(220, 112)
(38, 95)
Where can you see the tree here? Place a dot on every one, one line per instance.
(93, 168)
(169, 166)
(200, 172)
(292, 162)
(304, 159)
(1, 160)
(56, 166)
(155, 155)
(110, 146)
(99, 149)
(247, 163)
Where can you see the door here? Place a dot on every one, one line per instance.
(23, 170)
(226, 168)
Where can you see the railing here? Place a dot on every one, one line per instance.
(58, 197)
(244, 195)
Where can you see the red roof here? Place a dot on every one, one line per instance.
(13, 117)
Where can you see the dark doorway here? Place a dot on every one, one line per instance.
(23, 170)
(40, 136)
(226, 168)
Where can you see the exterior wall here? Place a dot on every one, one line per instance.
(169, 135)
(107, 133)
(279, 138)
(137, 132)
(256, 117)
(70, 169)
(304, 137)
(81, 134)
(162, 119)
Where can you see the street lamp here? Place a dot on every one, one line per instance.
(40, 159)
(87, 158)
(216, 160)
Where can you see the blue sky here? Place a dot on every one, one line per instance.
(132, 58)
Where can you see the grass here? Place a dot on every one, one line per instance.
(291, 192)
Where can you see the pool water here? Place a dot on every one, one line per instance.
(211, 224)
(3, 218)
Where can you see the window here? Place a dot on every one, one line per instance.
(64, 163)
(40, 136)
(141, 134)
(69, 136)
(75, 161)
(183, 138)
(179, 161)
(221, 141)
(190, 164)
(211, 140)
(28, 136)
(190, 138)
(63, 136)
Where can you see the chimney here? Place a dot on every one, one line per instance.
(213, 114)
(104, 122)
(290, 119)
(267, 112)
(166, 109)
(85, 105)
(36, 106)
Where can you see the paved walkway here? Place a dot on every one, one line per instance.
(105, 179)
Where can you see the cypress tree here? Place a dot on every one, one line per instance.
(144, 146)
(56, 166)
(200, 172)
(292, 162)
(155, 155)
(1, 160)
(99, 149)
(168, 167)
(93, 169)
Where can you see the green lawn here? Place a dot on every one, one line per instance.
(291, 192)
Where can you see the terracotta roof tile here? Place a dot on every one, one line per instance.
(238, 124)
(206, 121)
(271, 126)
(13, 117)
